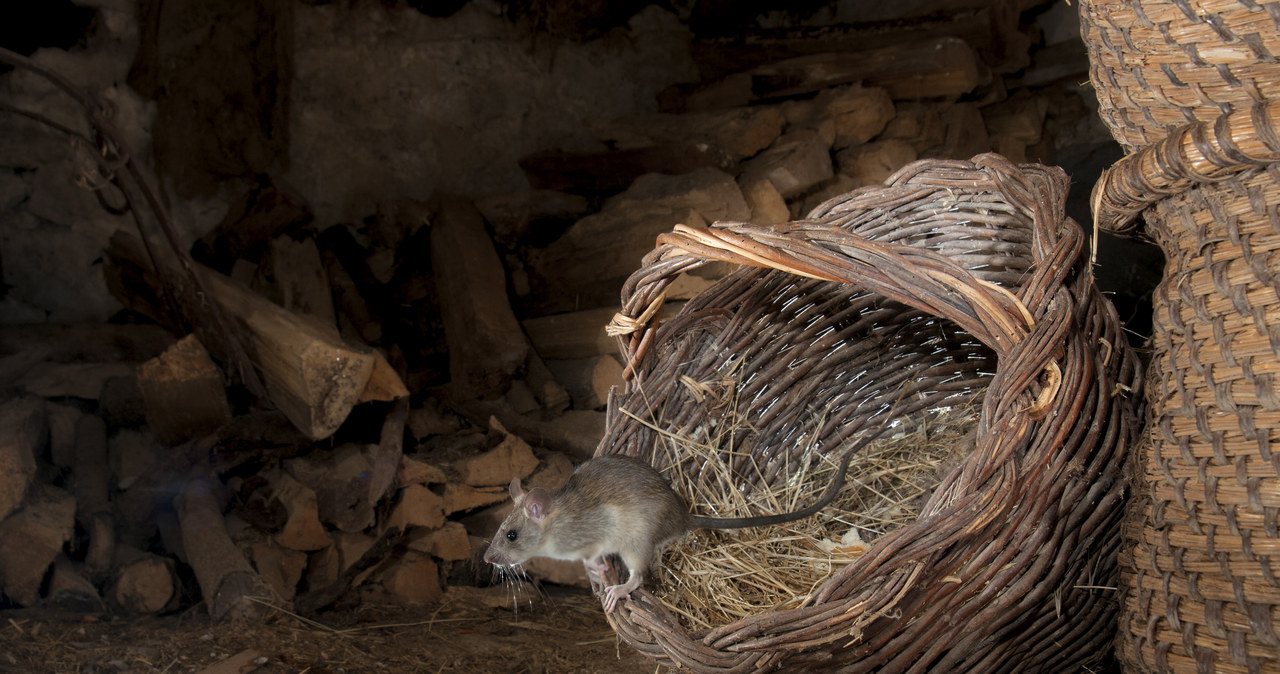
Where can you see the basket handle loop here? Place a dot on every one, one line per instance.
(1194, 154)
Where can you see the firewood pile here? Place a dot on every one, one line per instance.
(345, 430)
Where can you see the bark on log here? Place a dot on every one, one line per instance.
(226, 579)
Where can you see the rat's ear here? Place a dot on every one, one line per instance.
(537, 502)
(516, 491)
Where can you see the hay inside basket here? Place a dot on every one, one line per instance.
(714, 577)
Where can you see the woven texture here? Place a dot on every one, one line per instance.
(1188, 87)
(958, 283)
(1157, 65)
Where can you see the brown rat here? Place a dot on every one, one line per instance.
(618, 505)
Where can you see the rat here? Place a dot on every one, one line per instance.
(619, 505)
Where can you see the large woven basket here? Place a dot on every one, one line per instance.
(1188, 87)
(958, 282)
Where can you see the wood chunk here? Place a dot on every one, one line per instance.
(31, 539)
(74, 380)
(614, 170)
(340, 483)
(542, 382)
(414, 579)
(384, 458)
(311, 375)
(936, 68)
(586, 267)
(356, 317)
(448, 543)
(384, 384)
(23, 429)
(298, 278)
(432, 419)
(184, 393)
(461, 497)
(70, 590)
(576, 334)
(795, 163)
(132, 455)
(919, 124)
(86, 342)
(302, 530)
(872, 163)
(576, 432)
(767, 205)
(588, 379)
(280, 568)
(514, 215)
(732, 91)
(838, 185)
(733, 134)
(520, 397)
(414, 471)
(486, 345)
(93, 507)
(555, 471)
(147, 585)
(418, 507)
(966, 134)
(226, 579)
(511, 458)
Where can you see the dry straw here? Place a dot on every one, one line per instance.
(714, 577)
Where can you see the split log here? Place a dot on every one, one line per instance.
(93, 508)
(86, 342)
(23, 428)
(357, 317)
(542, 382)
(512, 457)
(280, 568)
(387, 454)
(588, 380)
(183, 392)
(944, 67)
(384, 384)
(302, 528)
(297, 278)
(145, 584)
(577, 334)
(414, 579)
(418, 507)
(323, 597)
(31, 539)
(448, 543)
(74, 380)
(341, 482)
(226, 579)
(70, 590)
(311, 375)
(486, 345)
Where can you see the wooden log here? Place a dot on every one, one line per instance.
(70, 590)
(486, 345)
(588, 380)
(145, 584)
(183, 393)
(576, 334)
(993, 27)
(607, 172)
(361, 320)
(93, 507)
(936, 68)
(279, 567)
(23, 429)
(31, 539)
(226, 579)
(413, 579)
(384, 384)
(341, 483)
(298, 278)
(321, 597)
(311, 375)
(387, 454)
(302, 528)
(542, 382)
(86, 342)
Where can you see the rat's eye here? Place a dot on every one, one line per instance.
(513, 535)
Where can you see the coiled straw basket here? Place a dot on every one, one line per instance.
(958, 282)
(1190, 89)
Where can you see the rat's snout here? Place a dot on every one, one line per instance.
(494, 556)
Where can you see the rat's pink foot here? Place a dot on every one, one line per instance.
(613, 594)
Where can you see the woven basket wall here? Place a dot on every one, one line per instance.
(1187, 88)
(960, 283)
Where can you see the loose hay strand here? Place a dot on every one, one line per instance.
(714, 577)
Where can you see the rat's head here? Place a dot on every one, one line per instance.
(520, 536)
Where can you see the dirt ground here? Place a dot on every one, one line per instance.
(472, 630)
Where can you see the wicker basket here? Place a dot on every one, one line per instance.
(960, 282)
(1187, 87)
